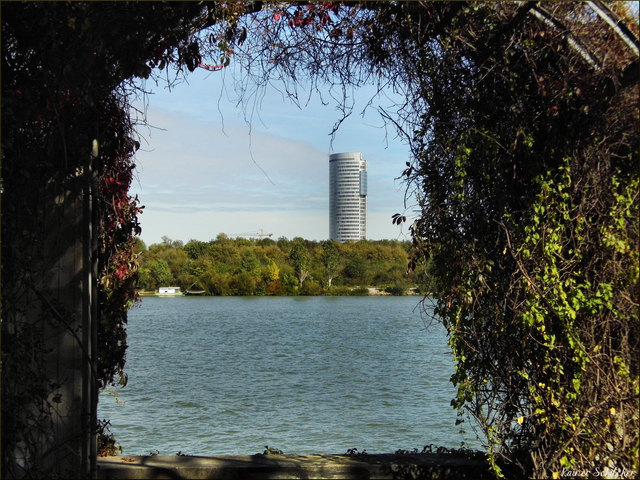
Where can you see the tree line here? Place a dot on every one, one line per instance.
(241, 266)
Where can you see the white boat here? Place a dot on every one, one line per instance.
(169, 291)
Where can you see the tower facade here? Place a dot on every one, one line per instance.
(347, 197)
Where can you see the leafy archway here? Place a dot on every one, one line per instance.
(523, 125)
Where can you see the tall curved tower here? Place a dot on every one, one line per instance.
(347, 197)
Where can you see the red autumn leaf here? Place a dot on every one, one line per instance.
(121, 273)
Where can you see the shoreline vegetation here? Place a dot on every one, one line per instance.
(240, 266)
(357, 291)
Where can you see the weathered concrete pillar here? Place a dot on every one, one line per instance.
(68, 293)
(49, 332)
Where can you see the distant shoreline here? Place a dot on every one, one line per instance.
(371, 292)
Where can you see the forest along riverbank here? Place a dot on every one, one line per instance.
(244, 267)
(229, 375)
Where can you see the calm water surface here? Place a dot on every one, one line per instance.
(229, 375)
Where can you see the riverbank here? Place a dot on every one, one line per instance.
(353, 291)
(346, 467)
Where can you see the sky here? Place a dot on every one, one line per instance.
(204, 169)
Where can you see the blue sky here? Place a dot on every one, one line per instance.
(202, 170)
(201, 173)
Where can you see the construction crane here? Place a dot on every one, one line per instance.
(259, 234)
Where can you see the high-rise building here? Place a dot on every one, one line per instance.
(347, 197)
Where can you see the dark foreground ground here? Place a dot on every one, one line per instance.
(259, 467)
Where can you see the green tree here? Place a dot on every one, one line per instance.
(330, 260)
(243, 283)
(399, 287)
(195, 248)
(145, 280)
(216, 283)
(178, 261)
(160, 273)
(300, 259)
(355, 269)
(249, 262)
(140, 246)
(271, 277)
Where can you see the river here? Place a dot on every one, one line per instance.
(230, 375)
